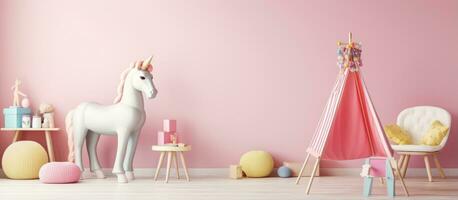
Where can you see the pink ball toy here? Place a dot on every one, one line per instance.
(60, 172)
(25, 103)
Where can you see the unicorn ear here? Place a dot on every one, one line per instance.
(150, 68)
(138, 64)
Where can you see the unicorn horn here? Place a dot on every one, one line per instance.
(147, 62)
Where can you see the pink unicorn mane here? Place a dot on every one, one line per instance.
(139, 65)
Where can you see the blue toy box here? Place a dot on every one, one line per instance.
(13, 116)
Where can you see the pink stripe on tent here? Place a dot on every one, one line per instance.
(333, 109)
(318, 136)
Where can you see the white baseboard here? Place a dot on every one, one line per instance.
(194, 172)
(224, 172)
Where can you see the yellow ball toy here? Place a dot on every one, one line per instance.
(23, 160)
(257, 164)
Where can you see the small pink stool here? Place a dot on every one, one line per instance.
(60, 172)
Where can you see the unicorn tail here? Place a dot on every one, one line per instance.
(69, 128)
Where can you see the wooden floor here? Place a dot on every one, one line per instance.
(217, 187)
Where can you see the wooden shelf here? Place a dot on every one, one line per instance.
(30, 129)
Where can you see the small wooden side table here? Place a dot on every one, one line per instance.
(172, 152)
(47, 131)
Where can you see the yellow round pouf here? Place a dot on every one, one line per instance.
(23, 159)
(257, 164)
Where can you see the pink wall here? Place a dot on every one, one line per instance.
(237, 75)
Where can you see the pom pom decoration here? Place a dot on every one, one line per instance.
(349, 55)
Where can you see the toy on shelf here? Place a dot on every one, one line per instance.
(47, 111)
(26, 121)
(16, 93)
(124, 119)
(14, 114)
(168, 136)
(25, 103)
(378, 167)
(36, 122)
(235, 172)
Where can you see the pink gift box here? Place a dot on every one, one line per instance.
(164, 137)
(170, 125)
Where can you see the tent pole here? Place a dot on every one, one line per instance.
(398, 174)
(350, 37)
(302, 169)
(307, 191)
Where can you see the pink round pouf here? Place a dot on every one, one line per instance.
(60, 172)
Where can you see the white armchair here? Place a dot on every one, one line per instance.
(417, 120)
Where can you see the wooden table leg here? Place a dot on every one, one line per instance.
(17, 136)
(183, 162)
(169, 163)
(159, 165)
(175, 160)
(49, 146)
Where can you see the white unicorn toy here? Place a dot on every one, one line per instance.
(125, 118)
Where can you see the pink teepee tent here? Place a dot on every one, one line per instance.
(349, 127)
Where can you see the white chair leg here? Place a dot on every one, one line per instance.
(428, 168)
(401, 160)
(405, 165)
(438, 166)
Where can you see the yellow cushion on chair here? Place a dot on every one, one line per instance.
(397, 135)
(435, 134)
